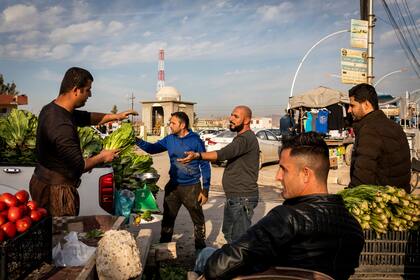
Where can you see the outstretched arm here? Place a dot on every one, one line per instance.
(101, 118)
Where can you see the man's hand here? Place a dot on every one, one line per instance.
(125, 114)
(108, 155)
(189, 157)
(203, 197)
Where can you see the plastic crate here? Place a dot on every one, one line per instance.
(392, 253)
(26, 252)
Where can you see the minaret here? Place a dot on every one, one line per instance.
(161, 70)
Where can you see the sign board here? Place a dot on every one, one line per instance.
(359, 34)
(353, 66)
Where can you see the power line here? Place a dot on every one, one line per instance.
(403, 41)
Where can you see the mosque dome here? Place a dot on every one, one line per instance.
(168, 94)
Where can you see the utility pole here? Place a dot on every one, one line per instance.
(371, 25)
(132, 106)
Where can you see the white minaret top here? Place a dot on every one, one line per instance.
(168, 94)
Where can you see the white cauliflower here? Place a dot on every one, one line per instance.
(117, 256)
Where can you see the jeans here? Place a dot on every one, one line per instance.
(238, 213)
(175, 196)
(200, 262)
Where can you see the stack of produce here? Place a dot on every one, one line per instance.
(18, 137)
(383, 208)
(122, 139)
(128, 166)
(17, 214)
(90, 141)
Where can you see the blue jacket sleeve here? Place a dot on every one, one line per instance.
(204, 167)
(152, 148)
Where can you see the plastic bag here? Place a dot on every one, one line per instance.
(145, 201)
(73, 252)
(124, 202)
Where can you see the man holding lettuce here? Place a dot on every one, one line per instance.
(184, 186)
(60, 161)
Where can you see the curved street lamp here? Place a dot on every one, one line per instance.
(389, 74)
(307, 53)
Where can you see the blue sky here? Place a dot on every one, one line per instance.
(218, 53)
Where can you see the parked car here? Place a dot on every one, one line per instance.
(208, 133)
(268, 142)
(275, 131)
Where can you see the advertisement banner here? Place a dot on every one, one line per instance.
(353, 66)
(359, 34)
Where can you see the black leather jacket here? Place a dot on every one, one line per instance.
(313, 232)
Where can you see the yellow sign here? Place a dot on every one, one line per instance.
(353, 66)
(359, 34)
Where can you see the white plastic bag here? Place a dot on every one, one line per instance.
(73, 252)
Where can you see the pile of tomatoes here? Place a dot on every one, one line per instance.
(17, 214)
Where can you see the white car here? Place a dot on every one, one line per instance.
(268, 142)
(208, 133)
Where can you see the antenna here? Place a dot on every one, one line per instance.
(161, 70)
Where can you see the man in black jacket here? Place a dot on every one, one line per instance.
(311, 230)
(381, 155)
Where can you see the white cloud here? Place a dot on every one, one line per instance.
(147, 34)
(18, 17)
(77, 33)
(52, 16)
(281, 12)
(28, 36)
(61, 51)
(48, 75)
(114, 27)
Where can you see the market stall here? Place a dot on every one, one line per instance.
(323, 110)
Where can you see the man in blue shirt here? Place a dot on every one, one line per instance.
(184, 186)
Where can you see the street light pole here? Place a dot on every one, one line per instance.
(371, 24)
(307, 53)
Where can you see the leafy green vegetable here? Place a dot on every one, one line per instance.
(122, 138)
(18, 136)
(130, 164)
(94, 233)
(90, 141)
(383, 208)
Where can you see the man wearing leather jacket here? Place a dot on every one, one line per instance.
(311, 230)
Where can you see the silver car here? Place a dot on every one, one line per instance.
(268, 142)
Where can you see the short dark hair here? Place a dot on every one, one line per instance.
(365, 92)
(75, 77)
(312, 146)
(183, 118)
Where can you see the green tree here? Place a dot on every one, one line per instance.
(114, 109)
(9, 89)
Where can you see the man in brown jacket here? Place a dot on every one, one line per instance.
(381, 154)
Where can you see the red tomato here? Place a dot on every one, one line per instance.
(3, 220)
(9, 199)
(36, 215)
(9, 229)
(32, 205)
(22, 196)
(25, 209)
(3, 205)
(43, 211)
(15, 213)
(4, 213)
(2, 235)
(23, 224)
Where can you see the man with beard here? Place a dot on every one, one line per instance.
(184, 186)
(240, 175)
(60, 161)
(381, 155)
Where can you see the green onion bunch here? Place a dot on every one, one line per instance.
(383, 208)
